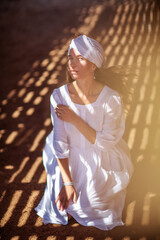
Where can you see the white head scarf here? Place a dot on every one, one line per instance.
(89, 49)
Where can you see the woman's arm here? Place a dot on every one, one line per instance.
(61, 151)
(67, 193)
(66, 114)
(88, 132)
(113, 123)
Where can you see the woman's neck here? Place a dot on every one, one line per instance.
(86, 87)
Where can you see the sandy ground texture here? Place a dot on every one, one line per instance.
(34, 38)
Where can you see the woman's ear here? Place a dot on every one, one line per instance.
(93, 67)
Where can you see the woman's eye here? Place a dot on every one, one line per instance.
(81, 58)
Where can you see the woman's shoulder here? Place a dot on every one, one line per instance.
(61, 94)
(113, 101)
(110, 93)
(58, 91)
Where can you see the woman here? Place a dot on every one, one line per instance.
(87, 161)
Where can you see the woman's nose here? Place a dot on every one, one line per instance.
(73, 62)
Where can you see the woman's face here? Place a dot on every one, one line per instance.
(79, 67)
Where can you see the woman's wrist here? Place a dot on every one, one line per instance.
(68, 184)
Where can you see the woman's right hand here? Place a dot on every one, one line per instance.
(66, 194)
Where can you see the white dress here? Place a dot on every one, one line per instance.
(100, 171)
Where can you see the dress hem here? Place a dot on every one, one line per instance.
(108, 227)
(41, 214)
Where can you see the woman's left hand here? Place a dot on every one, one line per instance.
(65, 196)
(65, 113)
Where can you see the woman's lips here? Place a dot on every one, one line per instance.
(73, 71)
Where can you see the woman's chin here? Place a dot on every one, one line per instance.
(74, 77)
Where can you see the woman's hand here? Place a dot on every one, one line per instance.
(65, 113)
(66, 194)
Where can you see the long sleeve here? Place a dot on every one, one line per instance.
(113, 124)
(60, 142)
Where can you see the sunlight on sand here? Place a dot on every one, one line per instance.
(32, 171)
(14, 201)
(146, 208)
(15, 238)
(33, 237)
(21, 167)
(10, 139)
(130, 213)
(37, 140)
(28, 208)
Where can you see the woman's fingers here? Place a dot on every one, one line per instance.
(64, 113)
(59, 110)
(57, 199)
(65, 196)
(67, 204)
(75, 197)
(60, 106)
(63, 204)
(58, 113)
(60, 203)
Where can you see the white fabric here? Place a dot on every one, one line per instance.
(100, 171)
(89, 49)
